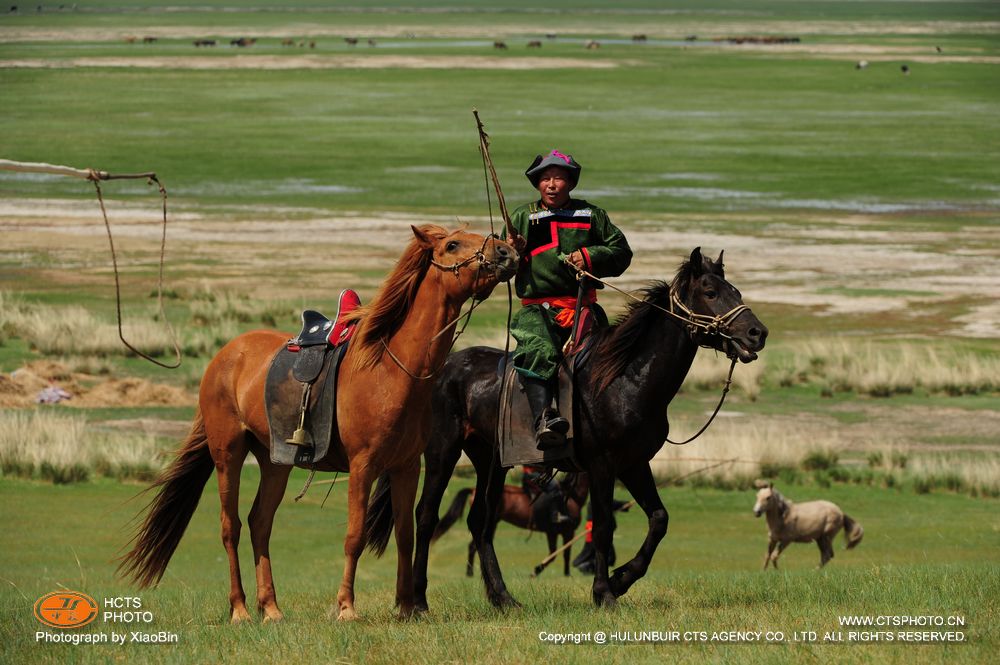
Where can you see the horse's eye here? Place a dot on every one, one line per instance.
(711, 295)
(452, 246)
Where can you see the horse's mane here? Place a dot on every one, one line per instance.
(383, 316)
(617, 345)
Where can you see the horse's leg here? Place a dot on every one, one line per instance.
(552, 537)
(273, 481)
(639, 482)
(470, 567)
(227, 443)
(825, 543)
(359, 488)
(404, 493)
(771, 544)
(567, 536)
(483, 518)
(439, 469)
(781, 548)
(602, 487)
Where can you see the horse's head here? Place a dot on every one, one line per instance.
(768, 498)
(478, 262)
(718, 317)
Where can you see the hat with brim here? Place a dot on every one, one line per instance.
(554, 158)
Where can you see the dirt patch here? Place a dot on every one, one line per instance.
(836, 264)
(21, 388)
(269, 62)
(172, 429)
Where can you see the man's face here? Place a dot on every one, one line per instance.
(554, 185)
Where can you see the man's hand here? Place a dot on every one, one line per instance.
(576, 260)
(519, 243)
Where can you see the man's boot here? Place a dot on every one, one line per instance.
(550, 427)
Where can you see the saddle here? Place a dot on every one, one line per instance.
(300, 392)
(516, 426)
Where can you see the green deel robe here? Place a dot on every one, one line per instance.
(552, 235)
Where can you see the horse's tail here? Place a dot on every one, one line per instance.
(179, 488)
(455, 511)
(852, 531)
(379, 520)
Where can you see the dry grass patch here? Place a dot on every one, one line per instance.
(59, 448)
(881, 370)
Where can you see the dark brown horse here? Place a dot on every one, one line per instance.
(383, 419)
(518, 508)
(620, 418)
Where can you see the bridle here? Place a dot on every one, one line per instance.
(479, 257)
(695, 324)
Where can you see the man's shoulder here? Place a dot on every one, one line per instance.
(526, 209)
(583, 204)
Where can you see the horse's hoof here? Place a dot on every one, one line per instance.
(606, 600)
(347, 614)
(507, 602)
(240, 616)
(274, 616)
(406, 614)
(421, 607)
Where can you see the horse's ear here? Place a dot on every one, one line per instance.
(425, 240)
(697, 262)
(720, 267)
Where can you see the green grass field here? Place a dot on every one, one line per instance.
(855, 205)
(931, 555)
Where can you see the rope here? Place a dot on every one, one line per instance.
(151, 177)
(718, 407)
(711, 325)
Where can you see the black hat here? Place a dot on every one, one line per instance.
(554, 158)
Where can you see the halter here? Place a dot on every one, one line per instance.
(710, 325)
(479, 256)
(694, 323)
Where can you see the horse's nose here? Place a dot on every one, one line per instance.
(758, 334)
(502, 251)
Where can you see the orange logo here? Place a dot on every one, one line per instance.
(66, 609)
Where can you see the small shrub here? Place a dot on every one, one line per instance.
(899, 460)
(875, 459)
(819, 460)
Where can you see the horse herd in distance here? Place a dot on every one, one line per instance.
(244, 42)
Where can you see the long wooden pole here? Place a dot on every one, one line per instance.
(484, 148)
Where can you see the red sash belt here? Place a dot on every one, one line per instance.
(565, 304)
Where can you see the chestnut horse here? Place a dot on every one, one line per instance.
(518, 508)
(383, 419)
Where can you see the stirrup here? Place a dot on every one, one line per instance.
(555, 422)
(551, 432)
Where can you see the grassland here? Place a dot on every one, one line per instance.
(858, 209)
(704, 579)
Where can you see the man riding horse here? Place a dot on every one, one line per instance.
(554, 231)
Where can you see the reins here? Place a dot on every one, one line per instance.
(480, 258)
(694, 323)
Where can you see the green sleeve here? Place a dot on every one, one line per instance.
(611, 255)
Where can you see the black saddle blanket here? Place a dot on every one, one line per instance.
(283, 396)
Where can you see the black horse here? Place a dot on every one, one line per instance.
(620, 419)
